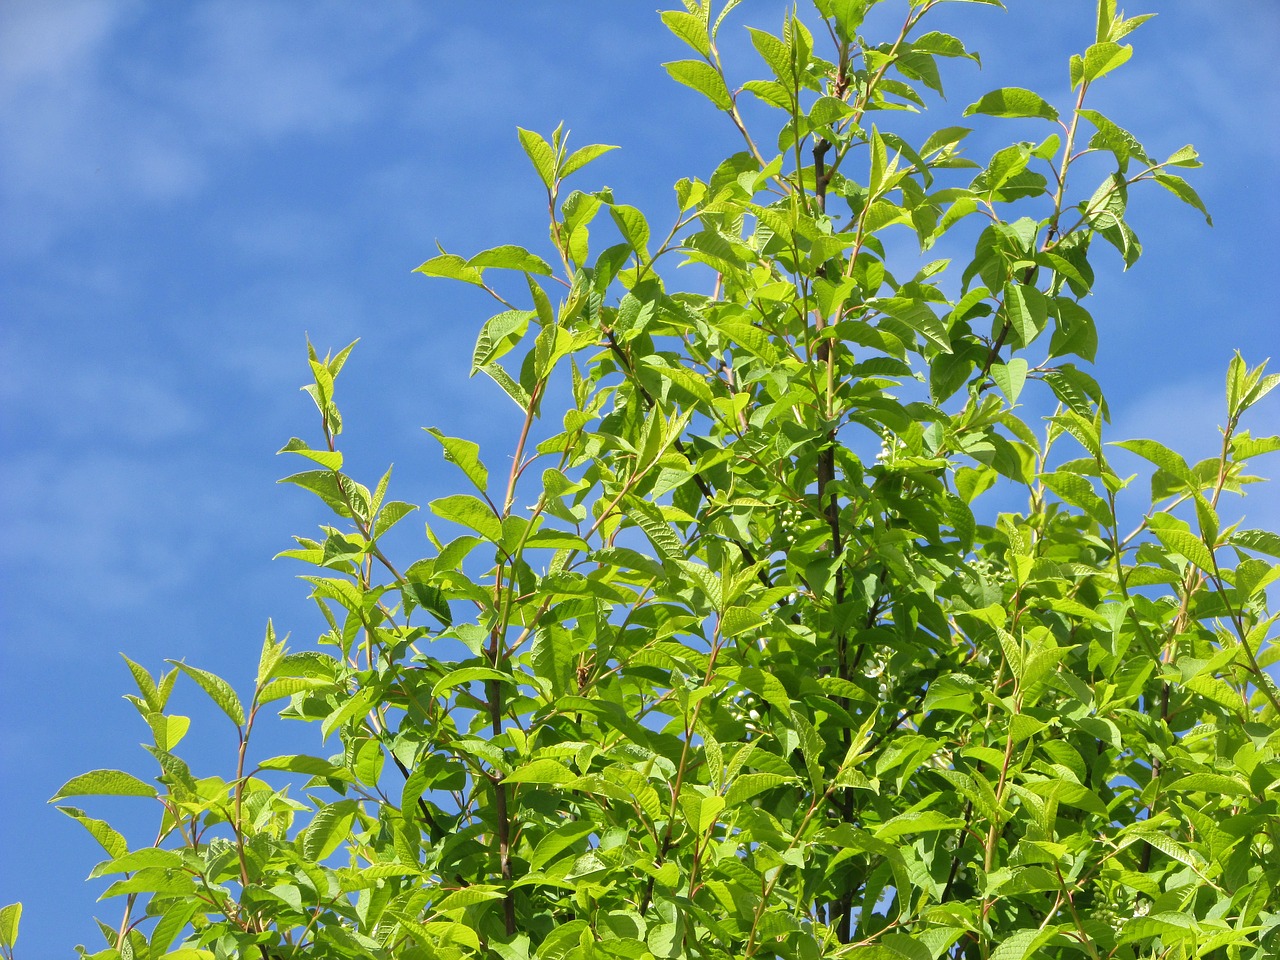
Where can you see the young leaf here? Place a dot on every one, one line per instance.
(10, 914)
(450, 266)
(1102, 58)
(110, 839)
(581, 157)
(702, 77)
(1184, 192)
(1010, 377)
(104, 783)
(634, 228)
(471, 513)
(1012, 102)
(689, 27)
(466, 454)
(1028, 311)
(510, 257)
(219, 691)
(1160, 455)
(1188, 545)
(540, 154)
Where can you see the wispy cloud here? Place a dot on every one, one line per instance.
(102, 109)
(76, 400)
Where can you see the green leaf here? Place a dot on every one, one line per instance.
(1260, 541)
(300, 763)
(1212, 783)
(1184, 157)
(219, 691)
(1188, 545)
(498, 335)
(540, 154)
(110, 839)
(1102, 58)
(1010, 377)
(469, 512)
(848, 16)
(701, 813)
(146, 685)
(1112, 137)
(464, 676)
(942, 45)
(141, 859)
(503, 379)
(681, 377)
(329, 459)
(919, 317)
(634, 228)
(1022, 944)
(273, 651)
(328, 830)
(724, 12)
(287, 686)
(1012, 102)
(916, 822)
(171, 923)
(1077, 390)
(702, 77)
(1157, 453)
(451, 267)
(1028, 311)
(10, 914)
(510, 257)
(649, 518)
(582, 156)
(104, 783)
(391, 513)
(553, 659)
(689, 27)
(544, 771)
(749, 785)
(1077, 491)
(558, 841)
(325, 485)
(468, 897)
(1184, 192)
(1171, 928)
(466, 454)
(776, 54)
(168, 730)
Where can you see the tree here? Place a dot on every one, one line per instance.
(705, 674)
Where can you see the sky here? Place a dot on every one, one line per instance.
(187, 191)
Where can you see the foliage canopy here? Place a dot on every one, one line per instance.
(736, 660)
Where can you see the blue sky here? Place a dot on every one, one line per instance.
(189, 189)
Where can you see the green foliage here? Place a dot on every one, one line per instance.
(9, 917)
(707, 675)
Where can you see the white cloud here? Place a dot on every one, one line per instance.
(102, 109)
(261, 71)
(97, 533)
(47, 42)
(79, 399)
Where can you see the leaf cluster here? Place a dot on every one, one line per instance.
(736, 661)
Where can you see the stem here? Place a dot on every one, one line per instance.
(534, 396)
(1067, 157)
